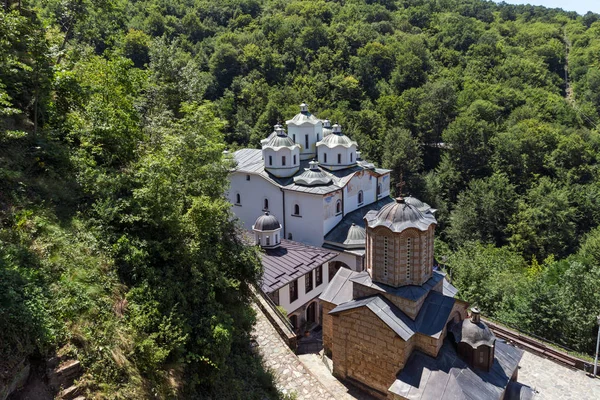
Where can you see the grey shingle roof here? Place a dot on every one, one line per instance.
(250, 161)
(430, 321)
(290, 261)
(448, 377)
(410, 292)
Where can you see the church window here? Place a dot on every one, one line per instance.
(294, 290)
(338, 207)
(296, 209)
(270, 160)
(317, 137)
(294, 137)
(247, 177)
(283, 160)
(319, 275)
(360, 197)
(258, 239)
(308, 282)
(408, 260)
(289, 236)
(238, 199)
(339, 158)
(266, 204)
(306, 141)
(295, 162)
(276, 238)
(379, 189)
(268, 239)
(325, 158)
(351, 155)
(385, 256)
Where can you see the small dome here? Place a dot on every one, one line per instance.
(423, 207)
(337, 138)
(473, 334)
(303, 108)
(356, 236)
(303, 117)
(281, 139)
(266, 222)
(399, 216)
(313, 176)
(327, 128)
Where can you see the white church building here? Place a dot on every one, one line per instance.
(313, 180)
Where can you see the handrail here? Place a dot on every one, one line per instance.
(283, 318)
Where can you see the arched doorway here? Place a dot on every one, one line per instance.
(311, 313)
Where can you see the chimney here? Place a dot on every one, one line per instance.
(475, 314)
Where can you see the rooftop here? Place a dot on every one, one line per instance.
(290, 261)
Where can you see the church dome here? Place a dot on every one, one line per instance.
(266, 222)
(400, 215)
(473, 332)
(421, 206)
(303, 117)
(327, 128)
(280, 139)
(313, 176)
(281, 154)
(356, 236)
(337, 138)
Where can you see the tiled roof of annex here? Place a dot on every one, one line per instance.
(250, 161)
(290, 261)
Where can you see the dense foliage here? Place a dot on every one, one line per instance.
(114, 114)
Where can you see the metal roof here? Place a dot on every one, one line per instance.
(473, 334)
(400, 215)
(250, 161)
(339, 289)
(449, 377)
(340, 232)
(335, 140)
(313, 176)
(280, 141)
(430, 321)
(410, 292)
(356, 236)
(303, 118)
(290, 261)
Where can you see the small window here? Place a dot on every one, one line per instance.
(296, 209)
(238, 199)
(306, 142)
(360, 197)
(247, 177)
(268, 240)
(294, 290)
(339, 158)
(378, 189)
(289, 236)
(270, 160)
(351, 157)
(259, 241)
(283, 160)
(266, 204)
(276, 238)
(319, 275)
(308, 282)
(338, 207)
(294, 137)
(325, 158)
(318, 137)
(295, 162)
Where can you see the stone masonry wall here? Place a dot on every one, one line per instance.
(327, 326)
(366, 350)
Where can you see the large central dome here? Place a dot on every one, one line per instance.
(400, 215)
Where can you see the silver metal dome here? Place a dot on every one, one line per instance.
(313, 176)
(356, 236)
(266, 222)
(400, 215)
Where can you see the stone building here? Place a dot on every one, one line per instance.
(387, 328)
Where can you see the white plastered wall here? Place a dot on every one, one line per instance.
(303, 297)
(308, 226)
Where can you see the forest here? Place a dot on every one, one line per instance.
(117, 245)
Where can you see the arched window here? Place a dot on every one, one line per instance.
(360, 197)
(295, 160)
(338, 207)
(339, 158)
(270, 160)
(296, 209)
(283, 160)
(268, 241)
(325, 158)
(294, 137)
(276, 238)
(351, 156)
(317, 137)
(238, 199)
(266, 204)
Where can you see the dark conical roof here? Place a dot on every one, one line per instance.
(400, 215)
(266, 222)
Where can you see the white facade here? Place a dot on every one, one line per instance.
(304, 297)
(253, 190)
